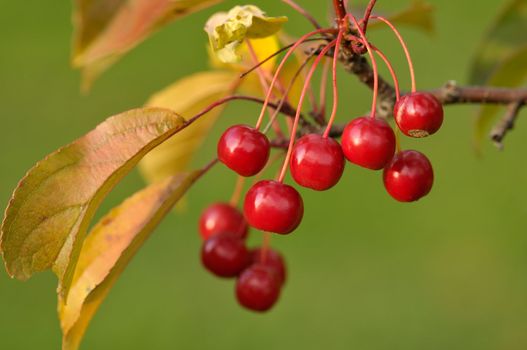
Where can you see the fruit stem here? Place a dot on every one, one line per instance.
(287, 91)
(266, 244)
(280, 66)
(237, 193)
(405, 48)
(299, 108)
(323, 91)
(335, 86)
(397, 140)
(373, 63)
(263, 81)
(303, 12)
(392, 71)
(367, 15)
(268, 58)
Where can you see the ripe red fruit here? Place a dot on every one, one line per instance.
(244, 150)
(317, 162)
(225, 255)
(222, 218)
(368, 142)
(273, 259)
(273, 207)
(409, 176)
(258, 288)
(418, 114)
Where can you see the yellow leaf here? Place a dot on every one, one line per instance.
(227, 30)
(108, 249)
(107, 29)
(187, 97)
(263, 48)
(46, 220)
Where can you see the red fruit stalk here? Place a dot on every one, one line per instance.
(299, 108)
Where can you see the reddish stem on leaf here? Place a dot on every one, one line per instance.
(279, 69)
(299, 108)
(403, 44)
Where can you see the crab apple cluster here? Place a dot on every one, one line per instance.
(260, 272)
(316, 161)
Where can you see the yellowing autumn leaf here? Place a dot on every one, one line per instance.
(47, 218)
(108, 249)
(107, 29)
(227, 30)
(187, 97)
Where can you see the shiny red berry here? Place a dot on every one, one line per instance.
(409, 176)
(222, 218)
(272, 259)
(317, 162)
(273, 207)
(225, 255)
(258, 288)
(368, 142)
(244, 150)
(418, 114)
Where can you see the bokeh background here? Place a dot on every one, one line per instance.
(365, 272)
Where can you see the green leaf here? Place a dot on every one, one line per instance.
(420, 15)
(511, 72)
(187, 97)
(46, 220)
(108, 249)
(227, 30)
(505, 36)
(107, 29)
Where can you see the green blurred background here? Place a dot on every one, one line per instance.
(365, 272)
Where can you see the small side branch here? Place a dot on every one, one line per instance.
(451, 93)
(505, 124)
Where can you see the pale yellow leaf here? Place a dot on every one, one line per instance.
(187, 97)
(227, 30)
(108, 249)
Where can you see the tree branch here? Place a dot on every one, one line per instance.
(450, 93)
